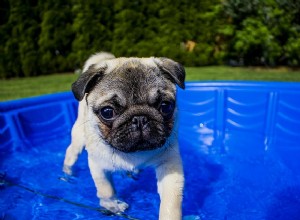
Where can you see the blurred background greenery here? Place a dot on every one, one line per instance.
(40, 37)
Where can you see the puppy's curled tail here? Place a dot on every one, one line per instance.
(97, 58)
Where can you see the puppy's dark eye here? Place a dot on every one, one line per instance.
(167, 108)
(107, 113)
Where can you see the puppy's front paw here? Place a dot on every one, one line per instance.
(114, 205)
(67, 170)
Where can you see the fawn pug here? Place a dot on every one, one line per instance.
(127, 120)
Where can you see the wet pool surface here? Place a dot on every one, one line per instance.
(235, 185)
(232, 173)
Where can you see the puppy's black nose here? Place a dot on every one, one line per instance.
(139, 121)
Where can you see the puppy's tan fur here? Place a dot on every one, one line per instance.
(103, 159)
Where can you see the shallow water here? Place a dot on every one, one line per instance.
(226, 181)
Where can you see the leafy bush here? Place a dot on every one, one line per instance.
(47, 36)
(265, 31)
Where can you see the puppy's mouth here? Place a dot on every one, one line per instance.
(138, 135)
(141, 145)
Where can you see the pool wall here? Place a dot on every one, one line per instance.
(269, 111)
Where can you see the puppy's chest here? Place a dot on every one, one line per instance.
(111, 159)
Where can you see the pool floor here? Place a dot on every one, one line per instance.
(234, 180)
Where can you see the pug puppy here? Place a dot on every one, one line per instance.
(127, 120)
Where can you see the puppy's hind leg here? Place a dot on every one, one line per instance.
(75, 148)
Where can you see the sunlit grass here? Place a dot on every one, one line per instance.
(33, 86)
(239, 73)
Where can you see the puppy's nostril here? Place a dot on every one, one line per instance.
(144, 120)
(139, 121)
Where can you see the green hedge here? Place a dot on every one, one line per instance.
(46, 36)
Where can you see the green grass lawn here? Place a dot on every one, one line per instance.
(33, 86)
(239, 73)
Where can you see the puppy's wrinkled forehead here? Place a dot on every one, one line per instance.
(132, 77)
(135, 82)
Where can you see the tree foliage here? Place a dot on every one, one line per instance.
(46, 36)
(266, 31)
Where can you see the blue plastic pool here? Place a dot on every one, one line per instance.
(240, 144)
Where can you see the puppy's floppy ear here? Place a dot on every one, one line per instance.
(174, 71)
(87, 81)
